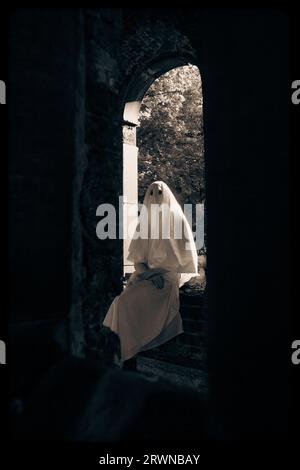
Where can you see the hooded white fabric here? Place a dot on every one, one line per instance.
(144, 316)
(169, 244)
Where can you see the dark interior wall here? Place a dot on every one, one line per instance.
(41, 103)
(245, 87)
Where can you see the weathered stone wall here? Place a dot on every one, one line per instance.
(102, 179)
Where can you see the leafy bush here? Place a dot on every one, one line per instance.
(170, 136)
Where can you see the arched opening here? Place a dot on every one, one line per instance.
(163, 140)
(136, 90)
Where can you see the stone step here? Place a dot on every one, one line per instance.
(195, 378)
(178, 353)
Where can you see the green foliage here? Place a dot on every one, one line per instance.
(170, 136)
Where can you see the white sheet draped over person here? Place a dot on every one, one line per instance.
(146, 314)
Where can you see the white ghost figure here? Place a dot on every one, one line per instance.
(146, 314)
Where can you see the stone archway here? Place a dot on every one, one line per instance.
(115, 82)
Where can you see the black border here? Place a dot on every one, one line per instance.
(86, 455)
